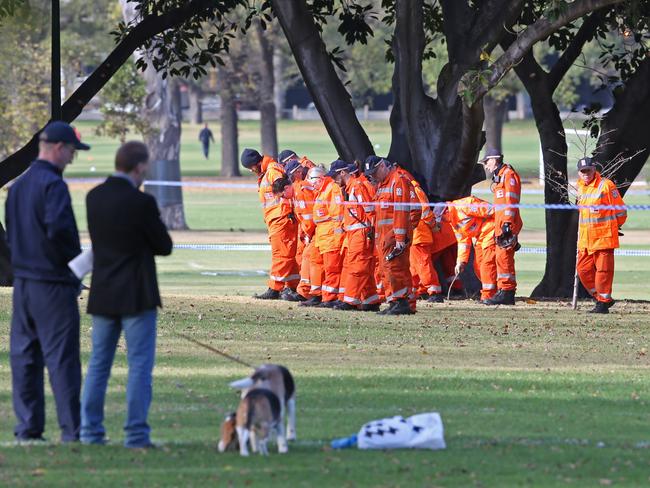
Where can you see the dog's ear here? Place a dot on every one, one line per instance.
(231, 416)
(242, 384)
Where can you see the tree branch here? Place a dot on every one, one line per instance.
(536, 32)
(150, 26)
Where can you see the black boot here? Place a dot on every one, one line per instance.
(436, 298)
(385, 311)
(311, 302)
(344, 306)
(601, 307)
(329, 304)
(401, 307)
(370, 308)
(291, 295)
(269, 294)
(503, 297)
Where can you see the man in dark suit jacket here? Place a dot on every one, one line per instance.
(126, 233)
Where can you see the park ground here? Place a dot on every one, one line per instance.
(532, 395)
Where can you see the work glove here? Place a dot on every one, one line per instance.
(400, 246)
(507, 239)
(459, 268)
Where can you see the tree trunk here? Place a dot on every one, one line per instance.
(625, 128)
(495, 116)
(195, 95)
(6, 271)
(330, 96)
(229, 136)
(269, 123)
(280, 86)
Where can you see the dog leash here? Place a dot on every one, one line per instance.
(214, 350)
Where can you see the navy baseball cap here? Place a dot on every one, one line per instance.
(586, 162)
(337, 166)
(292, 166)
(59, 131)
(286, 155)
(250, 157)
(491, 153)
(371, 163)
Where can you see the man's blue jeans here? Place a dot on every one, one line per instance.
(140, 335)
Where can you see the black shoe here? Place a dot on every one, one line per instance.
(601, 307)
(31, 440)
(423, 296)
(385, 311)
(329, 304)
(291, 295)
(437, 298)
(609, 304)
(370, 308)
(503, 297)
(344, 306)
(457, 293)
(311, 302)
(401, 307)
(269, 294)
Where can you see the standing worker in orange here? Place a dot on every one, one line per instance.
(598, 232)
(281, 223)
(473, 218)
(328, 238)
(357, 276)
(394, 231)
(425, 276)
(506, 186)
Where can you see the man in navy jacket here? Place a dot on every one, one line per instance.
(43, 238)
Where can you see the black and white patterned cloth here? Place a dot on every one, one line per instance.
(421, 431)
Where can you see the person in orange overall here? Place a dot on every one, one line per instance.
(425, 276)
(281, 223)
(357, 277)
(506, 186)
(473, 219)
(394, 231)
(288, 155)
(598, 231)
(302, 196)
(445, 251)
(328, 237)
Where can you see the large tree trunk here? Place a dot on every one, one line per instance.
(162, 108)
(6, 271)
(280, 86)
(269, 122)
(195, 95)
(330, 96)
(495, 116)
(229, 135)
(625, 128)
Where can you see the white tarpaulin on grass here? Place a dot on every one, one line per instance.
(422, 431)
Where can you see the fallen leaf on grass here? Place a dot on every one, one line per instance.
(38, 472)
(530, 301)
(605, 481)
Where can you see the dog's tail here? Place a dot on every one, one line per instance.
(289, 385)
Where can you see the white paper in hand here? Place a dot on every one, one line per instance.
(422, 431)
(82, 264)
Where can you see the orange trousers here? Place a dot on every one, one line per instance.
(316, 275)
(425, 276)
(596, 272)
(357, 277)
(485, 267)
(332, 264)
(447, 258)
(506, 276)
(284, 269)
(396, 273)
(304, 288)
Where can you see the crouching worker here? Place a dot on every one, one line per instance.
(598, 233)
(126, 233)
(473, 219)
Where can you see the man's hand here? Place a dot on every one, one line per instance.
(459, 268)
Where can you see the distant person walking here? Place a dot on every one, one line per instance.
(126, 233)
(205, 136)
(43, 238)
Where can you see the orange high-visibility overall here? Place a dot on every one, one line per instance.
(507, 191)
(425, 276)
(473, 218)
(328, 217)
(393, 224)
(357, 277)
(303, 204)
(282, 226)
(444, 250)
(598, 236)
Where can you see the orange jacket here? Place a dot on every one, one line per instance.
(275, 207)
(369, 186)
(357, 217)
(307, 163)
(394, 213)
(471, 218)
(303, 204)
(598, 228)
(507, 190)
(328, 217)
(422, 234)
(416, 207)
